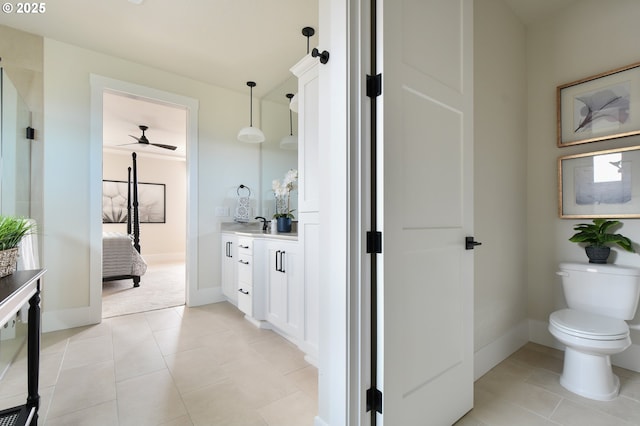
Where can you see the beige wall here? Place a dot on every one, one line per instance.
(159, 241)
(499, 171)
(589, 38)
(223, 163)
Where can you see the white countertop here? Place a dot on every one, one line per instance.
(254, 229)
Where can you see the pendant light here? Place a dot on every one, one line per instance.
(251, 134)
(290, 141)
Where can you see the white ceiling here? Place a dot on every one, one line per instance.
(122, 114)
(222, 42)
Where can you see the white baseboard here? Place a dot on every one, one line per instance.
(497, 351)
(205, 296)
(629, 359)
(68, 318)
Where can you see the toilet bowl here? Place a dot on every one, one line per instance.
(592, 328)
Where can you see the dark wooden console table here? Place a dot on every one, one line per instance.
(16, 290)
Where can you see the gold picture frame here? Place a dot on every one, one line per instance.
(600, 184)
(601, 107)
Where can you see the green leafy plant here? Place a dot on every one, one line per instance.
(598, 234)
(12, 229)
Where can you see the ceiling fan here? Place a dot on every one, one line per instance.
(143, 140)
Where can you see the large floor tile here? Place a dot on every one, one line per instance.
(87, 351)
(259, 381)
(83, 387)
(194, 369)
(150, 399)
(105, 414)
(136, 360)
(221, 404)
(293, 410)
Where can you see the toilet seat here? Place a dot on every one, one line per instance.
(589, 326)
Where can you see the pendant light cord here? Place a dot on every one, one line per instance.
(250, 106)
(290, 123)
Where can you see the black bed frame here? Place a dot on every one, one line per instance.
(132, 225)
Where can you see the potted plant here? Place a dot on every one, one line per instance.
(282, 191)
(598, 237)
(12, 229)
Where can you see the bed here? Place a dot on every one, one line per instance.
(121, 257)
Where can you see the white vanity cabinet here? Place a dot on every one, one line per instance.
(249, 289)
(309, 226)
(284, 287)
(228, 267)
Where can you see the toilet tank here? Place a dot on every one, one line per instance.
(608, 290)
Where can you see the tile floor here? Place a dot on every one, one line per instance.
(524, 390)
(208, 366)
(177, 366)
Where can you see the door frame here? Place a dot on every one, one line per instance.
(99, 85)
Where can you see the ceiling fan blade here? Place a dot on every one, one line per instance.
(140, 140)
(171, 147)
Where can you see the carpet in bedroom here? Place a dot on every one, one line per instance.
(162, 286)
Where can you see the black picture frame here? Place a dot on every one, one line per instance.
(152, 206)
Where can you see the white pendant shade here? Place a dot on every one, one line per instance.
(289, 142)
(251, 135)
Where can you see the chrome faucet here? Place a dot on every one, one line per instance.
(265, 224)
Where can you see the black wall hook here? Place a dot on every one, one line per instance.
(324, 55)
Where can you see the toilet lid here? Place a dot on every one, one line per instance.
(589, 326)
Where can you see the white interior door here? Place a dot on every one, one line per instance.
(425, 360)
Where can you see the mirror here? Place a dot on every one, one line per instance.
(15, 179)
(15, 192)
(274, 107)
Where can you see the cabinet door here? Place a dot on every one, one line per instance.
(284, 289)
(276, 289)
(228, 261)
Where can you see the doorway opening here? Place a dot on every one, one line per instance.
(156, 132)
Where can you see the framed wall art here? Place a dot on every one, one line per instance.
(600, 107)
(603, 184)
(151, 202)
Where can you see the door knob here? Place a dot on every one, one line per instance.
(470, 243)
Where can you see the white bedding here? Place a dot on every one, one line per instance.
(119, 257)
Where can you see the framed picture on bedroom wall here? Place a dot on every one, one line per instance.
(151, 202)
(603, 184)
(600, 107)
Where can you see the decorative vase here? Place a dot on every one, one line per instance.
(598, 254)
(8, 259)
(284, 224)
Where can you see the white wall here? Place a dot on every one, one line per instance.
(224, 163)
(159, 241)
(589, 38)
(499, 180)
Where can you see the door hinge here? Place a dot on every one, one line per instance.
(374, 85)
(374, 400)
(374, 242)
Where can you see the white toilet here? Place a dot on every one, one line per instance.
(599, 299)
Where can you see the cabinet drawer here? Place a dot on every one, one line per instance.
(245, 268)
(245, 246)
(245, 299)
